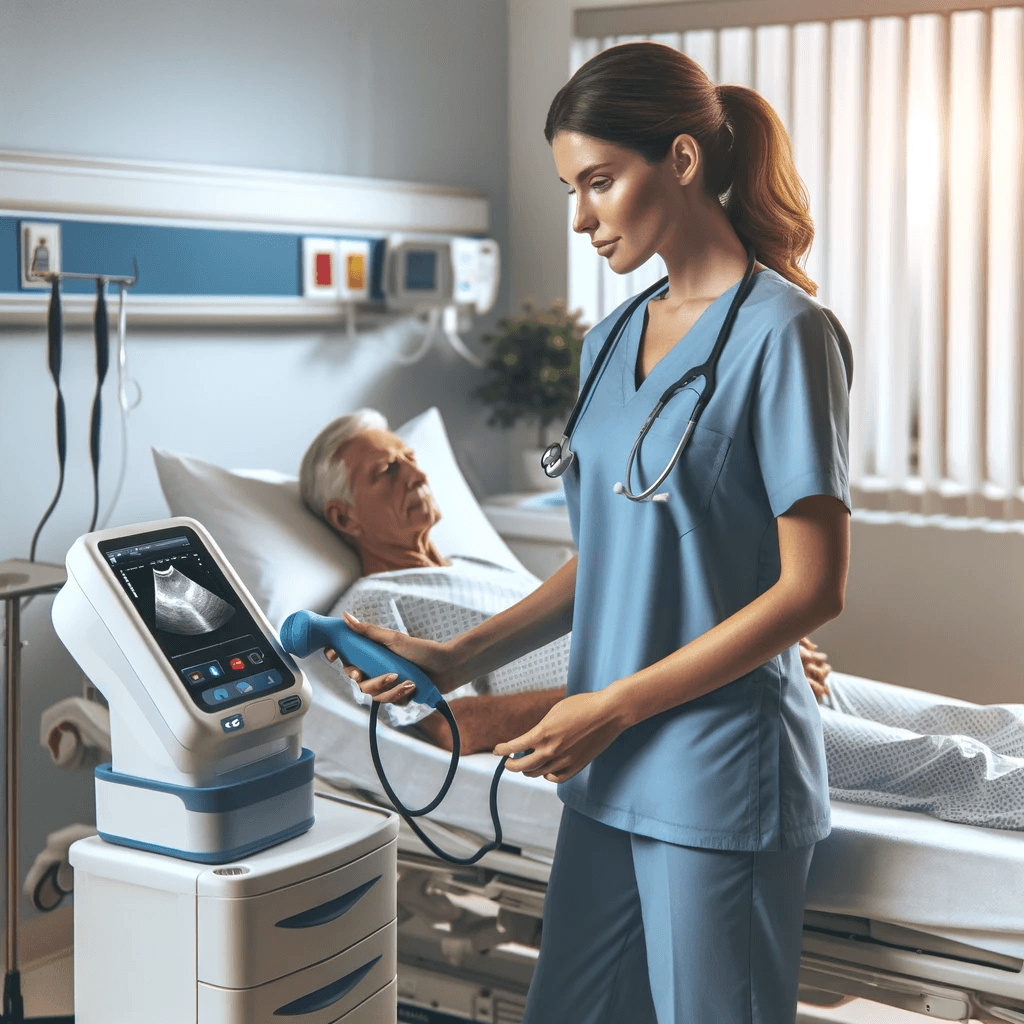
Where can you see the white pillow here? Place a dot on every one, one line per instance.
(287, 557)
(463, 528)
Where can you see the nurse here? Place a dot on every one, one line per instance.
(688, 750)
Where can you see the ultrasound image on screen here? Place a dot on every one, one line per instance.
(212, 642)
(183, 606)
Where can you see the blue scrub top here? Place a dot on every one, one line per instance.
(742, 767)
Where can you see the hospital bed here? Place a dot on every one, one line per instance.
(902, 908)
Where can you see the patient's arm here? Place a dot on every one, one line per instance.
(490, 719)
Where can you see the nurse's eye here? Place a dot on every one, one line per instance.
(601, 184)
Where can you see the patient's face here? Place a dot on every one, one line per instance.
(392, 502)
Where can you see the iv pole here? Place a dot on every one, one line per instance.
(18, 578)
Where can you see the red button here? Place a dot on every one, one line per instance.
(323, 269)
(237, 663)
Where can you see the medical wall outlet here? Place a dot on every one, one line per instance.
(476, 269)
(427, 273)
(320, 268)
(206, 708)
(354, 271)
(39, 249)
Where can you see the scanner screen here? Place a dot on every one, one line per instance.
(211, 641)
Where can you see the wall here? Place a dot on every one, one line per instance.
(927, 606)
(392, 89)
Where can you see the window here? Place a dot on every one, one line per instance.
(909, 134)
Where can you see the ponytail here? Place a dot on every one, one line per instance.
(766, 202)
(644, 95)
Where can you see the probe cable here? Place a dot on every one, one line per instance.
(54, 333)
(303, 632)
(408, 815)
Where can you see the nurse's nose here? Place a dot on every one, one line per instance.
(583, 220)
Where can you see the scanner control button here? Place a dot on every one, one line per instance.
(260, 712)
(289, 704)
(232, 723)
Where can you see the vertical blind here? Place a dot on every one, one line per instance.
(909, 134)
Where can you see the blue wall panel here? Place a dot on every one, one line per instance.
(8, 255)
(175, 260)
(184, 261)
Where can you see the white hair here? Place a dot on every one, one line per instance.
(322, 477)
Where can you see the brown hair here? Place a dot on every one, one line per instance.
(643, 95)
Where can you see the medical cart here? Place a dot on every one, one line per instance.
(304, 931)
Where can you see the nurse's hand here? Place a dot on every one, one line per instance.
(434, 658)
(565, 740)
(816, 667)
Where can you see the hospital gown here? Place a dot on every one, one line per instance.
(439, 603)
(885, 745)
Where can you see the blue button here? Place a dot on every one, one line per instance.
(220, 693)
(243, 687)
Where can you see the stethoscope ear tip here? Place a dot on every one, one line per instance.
(619, 489)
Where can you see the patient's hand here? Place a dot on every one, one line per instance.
(434, 658)
(816, 667)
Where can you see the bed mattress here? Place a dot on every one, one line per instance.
(960, 881)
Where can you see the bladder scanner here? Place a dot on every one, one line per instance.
(206, 708)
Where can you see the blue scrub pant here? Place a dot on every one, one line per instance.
(648, 932)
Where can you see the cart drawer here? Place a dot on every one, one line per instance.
(247, 941)
(321, 994)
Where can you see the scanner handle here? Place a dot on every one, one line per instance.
(304, 632)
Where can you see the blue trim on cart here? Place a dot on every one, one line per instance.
(217, 856)
(231, 797)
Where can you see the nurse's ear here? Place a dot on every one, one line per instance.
(686, 159)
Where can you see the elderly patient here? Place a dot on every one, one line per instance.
(885, 745)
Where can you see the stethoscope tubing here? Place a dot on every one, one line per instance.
(558, 457)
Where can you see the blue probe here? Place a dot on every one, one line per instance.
(305, 632)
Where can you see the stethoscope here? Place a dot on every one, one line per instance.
(558, 457)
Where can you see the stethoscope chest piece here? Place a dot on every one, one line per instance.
(557, 458)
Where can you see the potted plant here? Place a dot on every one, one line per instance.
(535, 373)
